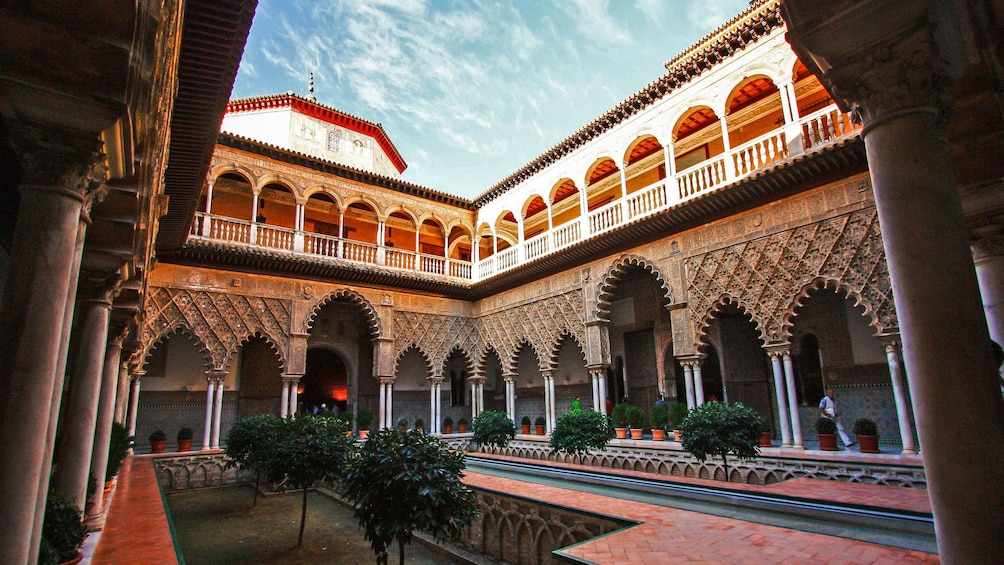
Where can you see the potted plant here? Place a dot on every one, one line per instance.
(766, 433)
(620, 418)
(364, 418)
(524, 424)
(636, 420)
(660, 418)
(419, 423)
(539, 423)
(677, 413)
(403, 424)
(63, 531)
(826, 429)
(185, 439)
(158, 441)
(447, 425)
(867, 434)
(462, 424)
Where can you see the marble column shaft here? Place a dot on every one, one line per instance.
(789, 379)
(134, 402)
(698, 384)
(106, 415)
(782, 398)
(207, 431)
(688, 379)
(901, 397)
(218, 412)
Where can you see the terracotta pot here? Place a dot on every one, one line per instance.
(621, 433)
(75, 560)
(184, 445)
(677, 436)
(364, 434)
(828, 442)
(869, 444)
(463, 428)
(540, 430)
(158, 446)
(765, 438)
(447, 429)
(658, 435)
(525, 429)
(636, 433)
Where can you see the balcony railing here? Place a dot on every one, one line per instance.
(819, 128)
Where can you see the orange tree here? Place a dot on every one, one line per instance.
(404, 481)
(248, 445)
(719, 428)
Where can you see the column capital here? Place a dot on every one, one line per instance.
(691, 360)
(387, 380)
(137, 376)
(291, 378)
(60, 157)
(987, 245)
(476, 379)
(778, 349)
(509, 377)
(99, 286)
(216, 376)
(436, 379)
(891, 340)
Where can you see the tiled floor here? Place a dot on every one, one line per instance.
(137, 530)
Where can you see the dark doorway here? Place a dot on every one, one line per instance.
(260, 379)
(639, 365)
(326, 380)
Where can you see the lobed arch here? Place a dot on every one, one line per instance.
(564, 336)
(414, 346)
(841, 288)
(608, 283)
(484, 354)
(369, 312)
(179, 329)
(701, 331)
(244, 339)
(468, 359)
(513, 359)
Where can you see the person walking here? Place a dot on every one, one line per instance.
(828, 409)
(576, 405)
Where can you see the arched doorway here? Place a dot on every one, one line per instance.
(744, 372)
(341, 326)
(260, 378)
(326, 381)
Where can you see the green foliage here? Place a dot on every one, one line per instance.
(540, 421)
(461, 421)
(578, 432)
(765, 425)
(660, 417)
(524, 421)
(308, 450)
(184, 433)
(364, 418)
(118, 449)
(494, 429)
(403, 423)
(717, 428)
(677, 413)
(620, 415)
(826, 426)
(250, 440)
(447, 421)
(419, 423)
(407, 481)
(63, 530)
(865, 427)
(158, 435)
(635, 416)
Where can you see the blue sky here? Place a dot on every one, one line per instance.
(471, 90)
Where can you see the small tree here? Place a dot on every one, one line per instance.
(660, 416)
(620, 415)
(118, 449)
(717, 428)
(494, 429)
(677, 413)
(249, 444)
(407, 481)
(309, 450)
(577, 432)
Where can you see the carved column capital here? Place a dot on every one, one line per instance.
(987, 245)
(60, 157)
(778, 350)
(137, 376)
(216, 376)
(99, 286)
(387, 381)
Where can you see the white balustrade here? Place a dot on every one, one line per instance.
(566, 234)
(361, 252)
(320, 244)
(606, 218)
(400, 259)
(507, 259)
(536, 246)
(823, 126)
(432, 264)
(275, 237)
(647, 200)
(460, 269)
(762, 151)
(702, 177)
(486, 267)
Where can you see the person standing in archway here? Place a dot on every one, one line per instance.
(828, 409)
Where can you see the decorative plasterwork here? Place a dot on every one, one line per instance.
(769, 277)
(223, 322)
(541, 324)
(608, 284)
(368, 311)
(435, 337)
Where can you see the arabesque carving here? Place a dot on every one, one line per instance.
(608, 283)
(766, 276)
(435, 336)
(221, 321)
(541, 323)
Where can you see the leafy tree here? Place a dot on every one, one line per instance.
(577, 432)
(494, 429)
(309, 450)
(407, 481)
(620, 415)
(717, 428)
(249, 444)
(118, 448)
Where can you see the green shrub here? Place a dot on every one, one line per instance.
(635, 417)
(448, 421)
(419, 423)
(677, 413)
(826, 426)
(118, 449)
(63, 530)
(364, 418)
(493, 429)
(461, 421)
(718, 428)
(540, 421)
(158, 435)
(403, 423)
(184, 433)
(660, 417)
(865, 427)
(620, 415)
(525, 421)
(578, 432)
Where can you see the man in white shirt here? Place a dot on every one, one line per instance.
(828, 409)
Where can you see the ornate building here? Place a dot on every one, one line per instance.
(738, 229)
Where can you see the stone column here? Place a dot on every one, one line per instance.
(78, 439)
(781, 396)
(988, 255)
(688, 380)
(134, 402)
(293, 398)
(510, 396)
(435, 404)
(698, 383)
(284, 399)
(210, 399)
(59, 172)
(789, 379)
(548, 399)
(122, 396)
(103, 431)
(896, 82)
(596, 391)
(477, 396)
(218, 408)
(387, 401)
(901, 396)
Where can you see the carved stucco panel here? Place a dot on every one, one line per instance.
(768, 277)
(435, 336)
(541, 324)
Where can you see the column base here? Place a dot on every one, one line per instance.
(786, 446)
(802, 447)
(909, 452)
